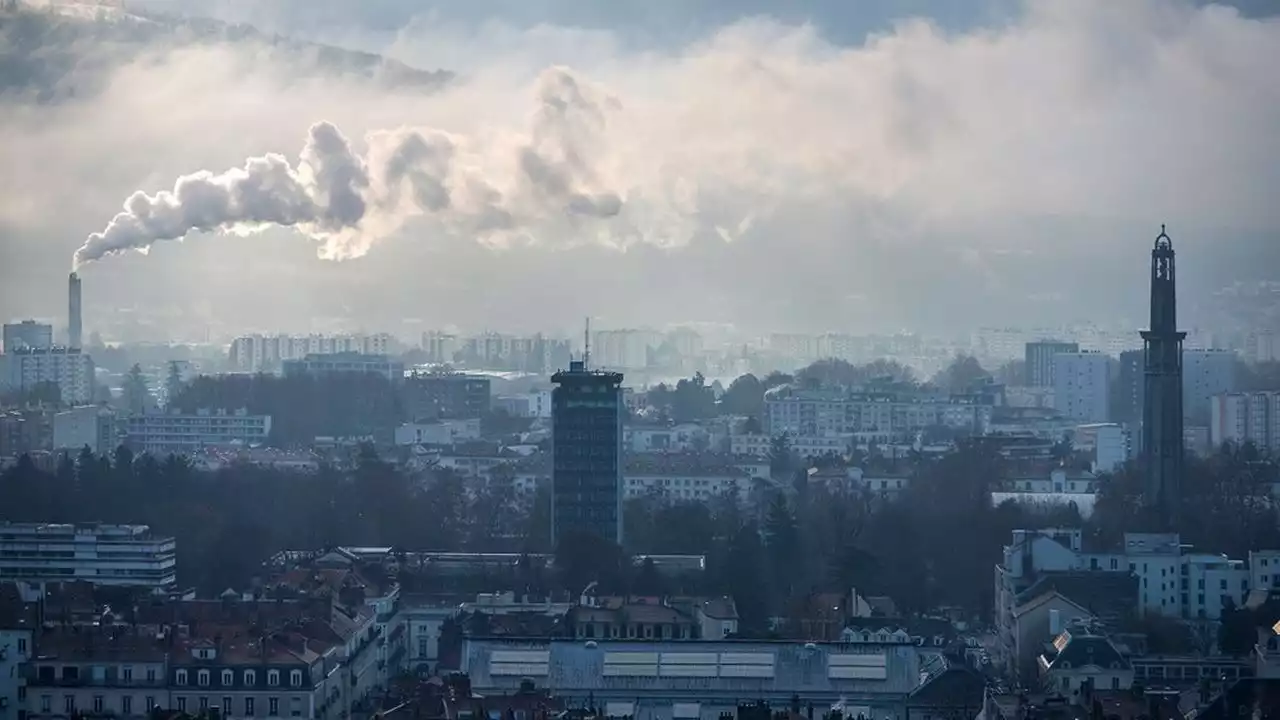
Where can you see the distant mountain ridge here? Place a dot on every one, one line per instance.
(55, 50)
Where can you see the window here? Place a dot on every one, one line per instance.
(97, 703)
(273, 707)
(151, 675)
(151, 703)
(423, 644)
(46, 704)
(69, 703)
(295, 678)
(273, 677)
(295, 707)
(180, 677)
(1115, 682)
(182, 704)
(22, 646)
(126, 674)
(248, 707)
(228, 678)
(202, 678)
(250, 678)
(126, 705)
(226, 706)
(204, 703)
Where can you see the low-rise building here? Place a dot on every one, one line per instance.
(441, 432)
(119, 555)
(318, 364)
(89, 426)
(164, 434)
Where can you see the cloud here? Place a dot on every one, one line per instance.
(1143, 111)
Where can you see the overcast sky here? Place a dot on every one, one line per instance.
(808, 165)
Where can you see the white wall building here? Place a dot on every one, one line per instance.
(71, 369)
(88, 426)
(27, 334)
(1082, 386)
(528, 405)
(1241, 418)
(121, 555)
(267, 353)
(1108, 443)
(1205, 374)
(163, 434)
(444, 432)
(828, 413)
(16, 637)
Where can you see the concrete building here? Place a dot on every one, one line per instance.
(164, 434)
(446, 396)
(699, 679)
(71, 369)
(1082, 386)
(317, 364)
(88, 426)
(120, 555)
(889, 413)
(443, 432)
(1108, 443)
(1128, 396)
(27, 334)
(586, 478)
(1241, 418)
(1039, 360)
(1205, 374)
(19, 627)
(623, 349)
(259, 353)
(535, 404)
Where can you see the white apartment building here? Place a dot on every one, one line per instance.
(345, 362)
(71, 369)
(622, 349)
(828, 413)
(267, 353)
(1241, 418)
(1205, 374)
(164, 434)
(444, 432)
(121, 555)
(88, 426)
(27, 334)
(535, 404)
(1082, 386)
(1108, 443)
(17, 635)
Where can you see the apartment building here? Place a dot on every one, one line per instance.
(88, 426)
(164, 434)
(120, 555)
(1082, 386)
(320, 364)
(1240, 418)
(70, 369)
(830, 413)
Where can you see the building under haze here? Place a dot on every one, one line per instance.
(315, 364)
(69, 368)
(164, 434)
(1240, 418)
(1205, 375)
(118, 555)
(88, 426)
(27, 334)
(1082, 386)
(1039, 360)
(446, 396)
(586, 478)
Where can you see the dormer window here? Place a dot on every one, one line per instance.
(202, 677)
(250, 678)
(228, 678)
(295, 678)
(273, 678)
(180, 677)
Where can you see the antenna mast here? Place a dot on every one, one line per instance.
(586, 345)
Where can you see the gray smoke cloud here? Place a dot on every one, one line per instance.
(497, 188)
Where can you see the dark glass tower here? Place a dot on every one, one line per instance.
(1162, 402)
(586, 435)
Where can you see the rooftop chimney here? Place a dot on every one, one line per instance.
(74, 324)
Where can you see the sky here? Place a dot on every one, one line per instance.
(810, 166)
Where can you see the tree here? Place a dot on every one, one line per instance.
(782, 541)
(1013, 373)
(961, 374)
(583, 558)
(782, 461)
(137, 396)
(173, 383)
(745, 396)
(692, 400)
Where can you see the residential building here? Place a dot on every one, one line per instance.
(698, 678)
(19, 627)
(27, 334)
(1206, 374)
(28, 430)
(444, 432)
(1107, 444)
(316, 364)
(164, 434)
(495, 351)
(1131, 388)
(891, 413)
(955, 692)
(1241, 418)
(1079, 659)
(623, 349)
(441, 348)
(118, 555)
(88, 426)
(258, 353)
(69, 368)
(446, 396)
(1040, 360)
(586, 479)
(1082, 386)
(535, 404)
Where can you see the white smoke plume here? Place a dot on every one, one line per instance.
(495, 188)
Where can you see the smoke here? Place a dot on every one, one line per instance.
(496, 188)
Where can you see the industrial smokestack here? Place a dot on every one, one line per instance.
(74, 326)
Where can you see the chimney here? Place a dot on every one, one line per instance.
(74, 322)
(1055, 623)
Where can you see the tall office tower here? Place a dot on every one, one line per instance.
(27, 334)
(586, 433)
(1162, 444)
(1039, 360)
(74, 326)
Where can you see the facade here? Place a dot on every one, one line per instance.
(19, 627)
(1039, 360)
(623, 349)
(535, 404)
(691, 679)
(1162, 418)
(832, 413)
(75, 320)
(27, 334)
(258, 353)
(118, 555)
(71, 369)
(1108, 443)
(1128, 396)
(317, 364)
(444, 432)
(446, 396)
(586, 477)
(1205, 375)
(89, 426)
(164, 434)
(1241, 418)
(1082, 386)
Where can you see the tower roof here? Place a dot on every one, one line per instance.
(1163, 241)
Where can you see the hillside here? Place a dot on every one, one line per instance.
(53, 50)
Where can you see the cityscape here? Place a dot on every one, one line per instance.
(249, 498)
